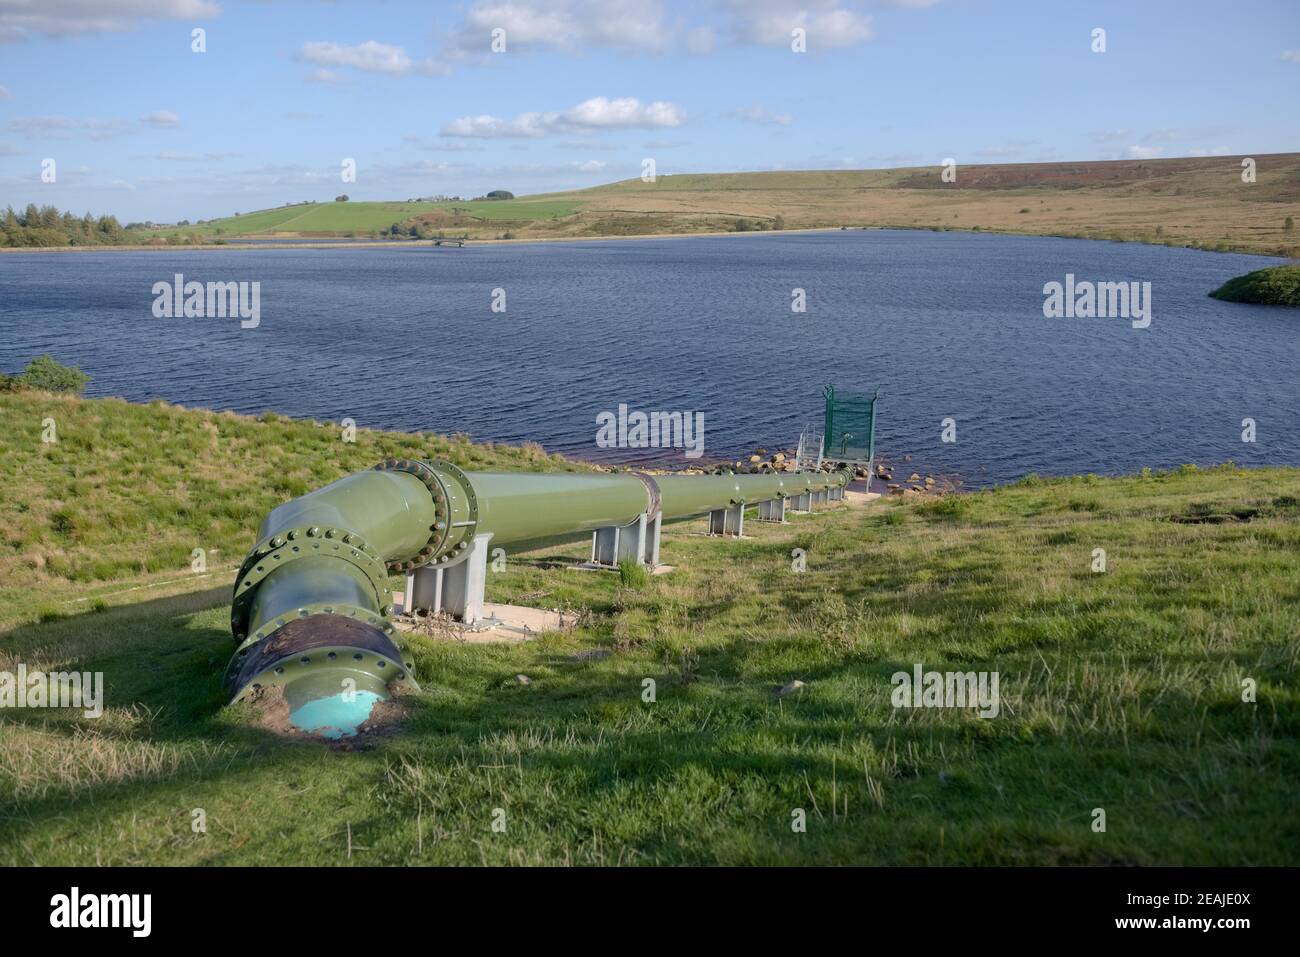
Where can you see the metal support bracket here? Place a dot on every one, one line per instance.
(455, 587)
(728, 521)
(836, 493)
(801, 503)
(772, 511)
(637, 542)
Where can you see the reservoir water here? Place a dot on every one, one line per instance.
(945, 324)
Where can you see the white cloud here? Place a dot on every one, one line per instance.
(641, 26)
(566, 25)
(163, 119)
(761, 116)
(1291, 56)
(493, 127)
(596, 114)
(5, 94)
(828, 23)
(19, 19)
(1144, 152)
(369, 57)
(623, 113)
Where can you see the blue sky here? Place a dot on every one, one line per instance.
(141, 126)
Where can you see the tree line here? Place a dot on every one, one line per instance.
(48, 226)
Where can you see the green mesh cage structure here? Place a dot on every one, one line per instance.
(850, 434)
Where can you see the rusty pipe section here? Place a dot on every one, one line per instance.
(312, 602)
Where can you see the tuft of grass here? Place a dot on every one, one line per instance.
(947, 506)
(633, 574)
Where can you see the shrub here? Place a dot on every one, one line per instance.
(1276, 285)
(49, 375)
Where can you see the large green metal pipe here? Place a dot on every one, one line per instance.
(312, 604)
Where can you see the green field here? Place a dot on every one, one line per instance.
(1120, 690)
(362, 218)
(1199, 202)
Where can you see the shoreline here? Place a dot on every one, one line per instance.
(535, 240)
(954, 483)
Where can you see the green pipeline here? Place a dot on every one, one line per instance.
(312, 600)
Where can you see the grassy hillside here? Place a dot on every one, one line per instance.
(131, 490)
(1188, 201)
(1119, 690)
(363, 218)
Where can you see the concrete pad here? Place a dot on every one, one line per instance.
(592, 567)
(859, 499)
(508, 624)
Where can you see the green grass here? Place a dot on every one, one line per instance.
(364, 217)
(1177, 201)
(134, 489)
(1119, 690)
(1278, 286)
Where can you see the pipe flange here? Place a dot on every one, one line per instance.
(277, 539)
(652, 491)
(437, 491)
(318, 636)
(471, 502)
(300, 543)
(362, 615)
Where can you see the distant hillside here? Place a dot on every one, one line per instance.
(1189, 201)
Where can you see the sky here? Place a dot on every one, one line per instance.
(142, 125)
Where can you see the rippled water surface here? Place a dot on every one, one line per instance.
(946, 324)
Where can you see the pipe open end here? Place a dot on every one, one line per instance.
(331, 670)
(318, 706)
